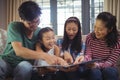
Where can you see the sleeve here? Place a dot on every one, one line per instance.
(88, 53)
(14, 33)
(112, 59)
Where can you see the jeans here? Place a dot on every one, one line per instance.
(47, 76)
(22, 71)
(74, 75)
(109, 73)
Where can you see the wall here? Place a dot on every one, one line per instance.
(3, 14)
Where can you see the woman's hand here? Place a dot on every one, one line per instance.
(67, 57)
(91, 65)
(79, 59)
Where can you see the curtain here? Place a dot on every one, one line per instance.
(12, 10)
(113, 6)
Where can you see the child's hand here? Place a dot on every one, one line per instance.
(79, 59)
(67, 57)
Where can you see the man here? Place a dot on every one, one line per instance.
(20, 51)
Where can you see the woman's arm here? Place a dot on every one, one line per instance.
(88, 53)
(112, 59)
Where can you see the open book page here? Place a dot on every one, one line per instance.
(69, 66)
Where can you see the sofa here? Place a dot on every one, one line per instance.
(3, 38)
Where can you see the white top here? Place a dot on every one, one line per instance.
(41, 62)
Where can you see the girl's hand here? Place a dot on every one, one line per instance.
(67, 57)
(79, 59)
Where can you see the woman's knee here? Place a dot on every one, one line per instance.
(96, 71)
(110, 72)
(95, 74)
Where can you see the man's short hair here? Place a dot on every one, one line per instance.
(29, 10)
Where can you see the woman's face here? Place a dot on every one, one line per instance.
(71, 30)
(48, 39)
(100, 30)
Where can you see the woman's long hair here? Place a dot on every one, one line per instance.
(110, 24)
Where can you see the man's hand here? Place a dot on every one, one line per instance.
(51, 59)
(62, 62)
(79, 59)
(67, 57)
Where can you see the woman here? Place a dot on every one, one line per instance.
(103, 43)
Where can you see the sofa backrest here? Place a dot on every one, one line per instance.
(3, 38)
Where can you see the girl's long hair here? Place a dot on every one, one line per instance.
(40, 37)
(76, 42)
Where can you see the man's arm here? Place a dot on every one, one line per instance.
(31, 54)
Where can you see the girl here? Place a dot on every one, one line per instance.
(72, 42)
(72, 46)
(46, 44)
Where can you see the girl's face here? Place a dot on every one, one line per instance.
(71, 30)
(48, 39)
(100, 30)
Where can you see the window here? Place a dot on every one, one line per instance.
(67, 8)
(96, 6)
(45, 16)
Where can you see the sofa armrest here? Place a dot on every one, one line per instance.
(3, 38)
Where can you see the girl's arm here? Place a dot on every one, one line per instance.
(56, 50)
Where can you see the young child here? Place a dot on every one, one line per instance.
(46, 43)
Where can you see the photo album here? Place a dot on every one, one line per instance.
(69, 66)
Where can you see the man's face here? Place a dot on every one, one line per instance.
(32, 25)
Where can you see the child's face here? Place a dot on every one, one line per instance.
(71, 30)
(48, 39)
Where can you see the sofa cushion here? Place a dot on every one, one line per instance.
(3, 38)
